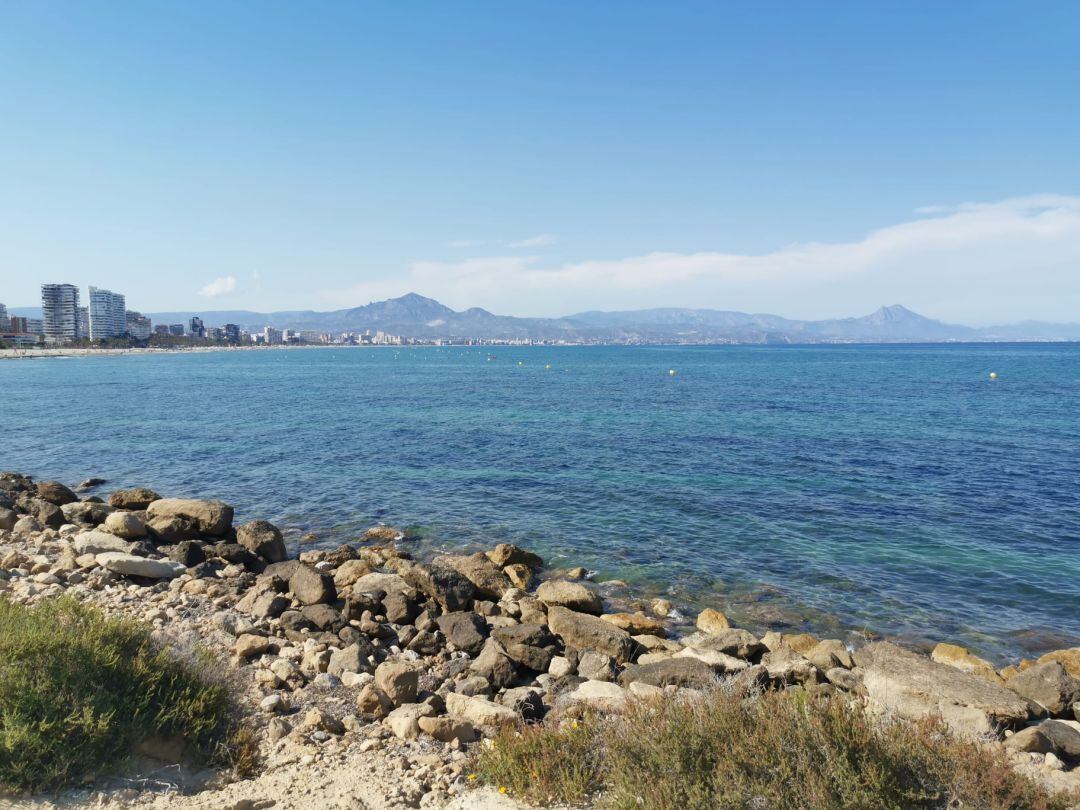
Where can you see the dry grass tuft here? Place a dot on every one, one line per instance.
(777, 750)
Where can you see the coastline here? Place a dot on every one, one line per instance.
(364, 654)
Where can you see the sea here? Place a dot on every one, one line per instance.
(892, 491)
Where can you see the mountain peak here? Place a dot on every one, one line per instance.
(895, 312)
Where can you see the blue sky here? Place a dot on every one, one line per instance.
(808, 159)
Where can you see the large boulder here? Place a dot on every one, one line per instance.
(55, 493)
(99, 542)
(397, 680)
(506, 554)
(177, 519)
(46, 513)
(264, 539)
(136, 499)
(900, 682)
(129, 525)
(1047, 684)
(637, 624)
(1069, 658)
(494, 664)
(443, 584)
(584, 632)
(8, 518)
(1064, 735)
(737, 642)
(464, 631)
(86, 513)
(712, 622)
(964, 660)
(689, 672)
(572, 595)
(312, 587)
(132, 566)
(488, 578)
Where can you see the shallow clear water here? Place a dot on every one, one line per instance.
(892, 488)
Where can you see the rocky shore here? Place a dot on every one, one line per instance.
(368, 675)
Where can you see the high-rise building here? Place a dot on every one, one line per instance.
(107, 314)
(272, 336)
(17, 325)
(176, 329)
(138, 325)
(60, 312)
(232, 333)
(161, 329)
(84, 322)
(5, 321)
(195, 326)
(34, 326)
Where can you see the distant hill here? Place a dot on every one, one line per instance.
(415, 316)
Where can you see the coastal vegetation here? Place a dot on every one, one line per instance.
(431, 676)
(776, 750)
(80, 691)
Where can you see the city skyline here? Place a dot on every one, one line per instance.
(539, 160)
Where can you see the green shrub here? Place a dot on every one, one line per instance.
(78, 691)
(778, 750)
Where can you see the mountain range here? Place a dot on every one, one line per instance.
(415, 316)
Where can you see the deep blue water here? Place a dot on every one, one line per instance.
(892, 488)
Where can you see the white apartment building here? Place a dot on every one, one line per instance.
(107, 314)
(138, 325)
(5, 321)
(60, 312)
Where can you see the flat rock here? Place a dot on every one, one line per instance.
(99, 542)
(911, 686)
(962, 659)
(572, 595)
(721, 662)
(636, 623)
(136, 498)
(585, 632)
(733, 641)
(601, 695)
(687, 672)
(132, 566)
(478, 710)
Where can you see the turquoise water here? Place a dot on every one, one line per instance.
(889, 488)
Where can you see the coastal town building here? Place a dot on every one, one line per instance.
(107, 314)
(84, 322)
(161, 329)
(60, 312)
(138, 325)
(5, 321)
(272, 336)
(196, 328)
(176, 329)
(232, 333)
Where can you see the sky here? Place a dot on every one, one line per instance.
(541, 158)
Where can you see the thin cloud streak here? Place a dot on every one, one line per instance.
(977, 262)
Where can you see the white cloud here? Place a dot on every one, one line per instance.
(221, 286)
(540, 240)
(974, 263)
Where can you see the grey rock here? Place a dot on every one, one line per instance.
(1047, 684)
(262, 538)
(464, 631)
(99, 542)
(172, 517)
(55, 493)
(586, 632)
(312, 587)
(130, 565)
(912, 686)
(687, 672)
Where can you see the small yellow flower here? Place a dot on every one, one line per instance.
(502, 789)
(573, 724)
(472, 777)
